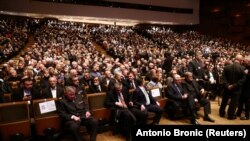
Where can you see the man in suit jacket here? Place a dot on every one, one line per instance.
(106, 79)
(74, 112)
(197, 93)
(179, 99)
(131, 82)
(124, 111)
(233, 77)
(145, 102)
(27, 92)
(245, 95)
(196, 67)
(96, 86)
(54, 90)
(118, 78)
(80, 88)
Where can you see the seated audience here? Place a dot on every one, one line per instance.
(74, 112)
(26, 92)
(96, 86)
(123, 112)
(54, 90)
(195, 91)
(179, 101)
(145, 102)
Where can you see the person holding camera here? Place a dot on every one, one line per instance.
(196, 67)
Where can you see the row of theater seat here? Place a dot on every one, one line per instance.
(17, 117)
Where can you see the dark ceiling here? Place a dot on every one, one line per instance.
(227, 18)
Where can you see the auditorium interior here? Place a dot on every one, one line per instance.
(98, 39)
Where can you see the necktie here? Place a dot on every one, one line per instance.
(99, 88)
(122, 100)
(146, 96)
(178, 88)
(132, 84)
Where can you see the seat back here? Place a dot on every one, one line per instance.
(158, 96)
(96, 105)
(7, 97)
(47, 120)
(15, 118)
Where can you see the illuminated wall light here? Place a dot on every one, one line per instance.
(237, 15)
(216, 10)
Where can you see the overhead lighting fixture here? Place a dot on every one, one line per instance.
(216, 10)
(237, 15)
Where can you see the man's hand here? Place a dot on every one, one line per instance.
(142, 108)
(87, 114)
(184, 96)
(131, 103)
(27, 97)
(120, 104)
(158, 103)
(75, 118)
(202, 91)
(230, 87)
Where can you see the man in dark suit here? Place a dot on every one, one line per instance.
(27, 92)
(196, 67)
(54, 90)
(80, 88)
(179, 99)
(74, 112)
(245, 95)
(106, 79)
(131, 82)
(124, 112)
(145, 102)
(96, 86)
(118, 78)
(197, 93)
(233, 77)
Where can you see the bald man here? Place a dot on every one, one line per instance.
(234, 77)
(245, 95)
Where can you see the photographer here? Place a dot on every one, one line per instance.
(196, 67)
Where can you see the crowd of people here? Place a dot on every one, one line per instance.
(64, 63)
(13, 37)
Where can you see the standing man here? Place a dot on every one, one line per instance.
(234, 77)
(245, 95)
(74, 111)
(196, 67)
